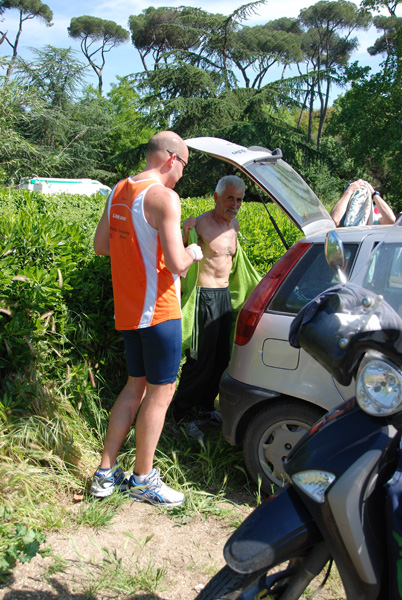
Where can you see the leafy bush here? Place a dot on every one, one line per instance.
(56, 302)
(17, 543)
(52, 290)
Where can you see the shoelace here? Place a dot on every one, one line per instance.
(153, 480)
(156, 480)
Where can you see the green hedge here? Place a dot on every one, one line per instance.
(56, 305)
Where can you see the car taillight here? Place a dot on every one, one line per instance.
(260, 297)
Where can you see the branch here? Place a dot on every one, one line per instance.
(243, 12)
(81, 133)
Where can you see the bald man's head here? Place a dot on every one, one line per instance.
(163, 141)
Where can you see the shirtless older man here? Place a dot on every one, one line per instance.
(209, 354)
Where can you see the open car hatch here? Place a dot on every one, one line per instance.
(274, 176)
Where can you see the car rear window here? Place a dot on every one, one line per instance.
(290, 191)
(311, 276)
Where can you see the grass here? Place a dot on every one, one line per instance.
(58, 565)
(45, 464)
(121, 573)
(42, 487)
(211, 476)
(97, 514)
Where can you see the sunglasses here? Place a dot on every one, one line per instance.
(183, 162)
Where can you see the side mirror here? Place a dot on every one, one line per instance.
(335, 254)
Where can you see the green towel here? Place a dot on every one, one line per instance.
(242, 280)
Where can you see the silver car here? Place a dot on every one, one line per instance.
(272, 393)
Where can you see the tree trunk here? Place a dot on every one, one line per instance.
(14, 47)
(310, 115)
(302, 110)
(323, 114)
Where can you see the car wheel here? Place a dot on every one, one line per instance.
(271, 435)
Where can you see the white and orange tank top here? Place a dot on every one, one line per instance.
(145, 292)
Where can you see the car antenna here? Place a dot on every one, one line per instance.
(274, 223)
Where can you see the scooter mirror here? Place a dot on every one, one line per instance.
(335, 254)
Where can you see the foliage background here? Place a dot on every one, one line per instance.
(56, 303)
(62, 364)
(208, 74)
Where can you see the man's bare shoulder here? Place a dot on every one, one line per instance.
(161, 203)
(205, 216)
(157, 191)
(159, 194)
(203, 220)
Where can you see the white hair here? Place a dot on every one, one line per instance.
(233, 180)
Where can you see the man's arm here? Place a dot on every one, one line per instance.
(340, 207)
(166, 208)
(387, 214)
(101, 239)
(188, 224)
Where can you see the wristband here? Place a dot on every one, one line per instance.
(193, 251)
(375, 193)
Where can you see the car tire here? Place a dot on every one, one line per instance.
(270, 436)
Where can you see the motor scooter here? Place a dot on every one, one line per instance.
(342, 502)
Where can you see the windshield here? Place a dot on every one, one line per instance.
(287, 188)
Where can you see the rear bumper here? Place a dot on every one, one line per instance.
(236, 399)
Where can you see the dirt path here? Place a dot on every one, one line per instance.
(188, 554)
(90, 565)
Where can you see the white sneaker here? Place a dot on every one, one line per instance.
(154, 491)
(104, 483)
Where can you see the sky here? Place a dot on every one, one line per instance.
(124, 60)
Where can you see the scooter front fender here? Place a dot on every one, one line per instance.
(279, 529)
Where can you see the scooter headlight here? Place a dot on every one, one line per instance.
(314, 483)
(379, 388)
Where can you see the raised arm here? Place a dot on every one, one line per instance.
(340, 207)
(387, 214)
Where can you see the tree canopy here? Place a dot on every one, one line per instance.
(91, 30)
(28, 9)
(377, 5)
(328, 45)
(211, 74)
(368, 118)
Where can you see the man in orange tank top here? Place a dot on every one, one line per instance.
(140, 231)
